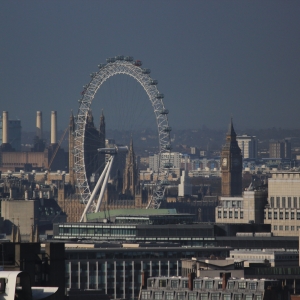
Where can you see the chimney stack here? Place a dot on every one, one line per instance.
(39, 124)
(5, 127)
(53, 127)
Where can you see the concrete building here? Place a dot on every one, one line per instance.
(280, 149)
(204, 288)
(283, 208)
(173, 158)
(184, 187)
(244, 209)
(248, 146)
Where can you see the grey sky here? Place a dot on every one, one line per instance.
(213, 59)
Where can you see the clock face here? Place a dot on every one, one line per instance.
(224, 162)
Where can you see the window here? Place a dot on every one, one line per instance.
(192, 296)
(295, 202)
(257, 297)
(241, 215)
(220, 283)
(252, 285)
(204, 296)
(281, 215)
(158, 295)
(180, 296)
(146, 295)
(236, 216)
(248, 297)
(169, 295)
(292, 216)
(225, 214)
(298, 215)
(237, 297)
(185, 284)
(162, 283)
(230, 285)
(286, 228)
(197, 284)
(174, 283)
(298, 228)
(227, 297)
(275, 227)
(269, 215)
(286, 215)
(219, 214)
(151, 283)
(280, 227)
(283, 202)
(275, 215)
(214, 296)
(292, 228)
(242, 285)
(272, 202)
(230, 214)
(277, 202)
(208, 284)
(289, 202)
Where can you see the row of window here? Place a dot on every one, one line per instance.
(230, 214)
(275, 215)
(285, 202)
(159, 295)
(286, 228)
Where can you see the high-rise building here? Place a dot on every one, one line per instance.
(248, 146)
(280, 149)
(231, 165)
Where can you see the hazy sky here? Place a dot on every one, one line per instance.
(213, 59)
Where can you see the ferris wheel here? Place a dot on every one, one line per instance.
(127, 66)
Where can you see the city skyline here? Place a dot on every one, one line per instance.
(212, 59)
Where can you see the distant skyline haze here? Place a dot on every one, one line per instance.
(212, 59)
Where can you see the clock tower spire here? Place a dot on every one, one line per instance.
(231, 165)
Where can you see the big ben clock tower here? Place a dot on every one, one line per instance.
(231, 165)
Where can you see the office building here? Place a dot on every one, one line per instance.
(283, 208)
(280, 149)
(248, 146)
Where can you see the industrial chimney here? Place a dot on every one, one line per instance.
(53, 127)
(39, 124)
(5, 127)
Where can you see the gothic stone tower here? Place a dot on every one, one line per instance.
(130, 173)
(231, 165)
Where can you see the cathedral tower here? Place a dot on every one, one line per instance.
(231, 165)
(130, 173)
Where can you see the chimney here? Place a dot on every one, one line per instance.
(53, 127)
(5, 127)
(39, 124)
(225, 277)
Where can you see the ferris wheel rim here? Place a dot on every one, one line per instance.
(112, 68)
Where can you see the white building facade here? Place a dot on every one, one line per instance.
(248, 146)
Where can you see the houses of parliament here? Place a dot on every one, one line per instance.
(123, 190)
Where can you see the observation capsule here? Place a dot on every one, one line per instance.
(153, 82)
(168, 165)
(164, 111)
(167, 129)
(168, 147)
(146, 71)
(160, 96)
(101, 66)
(128, 58)
(119, 57)
(110, 60)
(138, 63)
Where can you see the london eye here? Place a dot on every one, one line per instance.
(124, 65)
